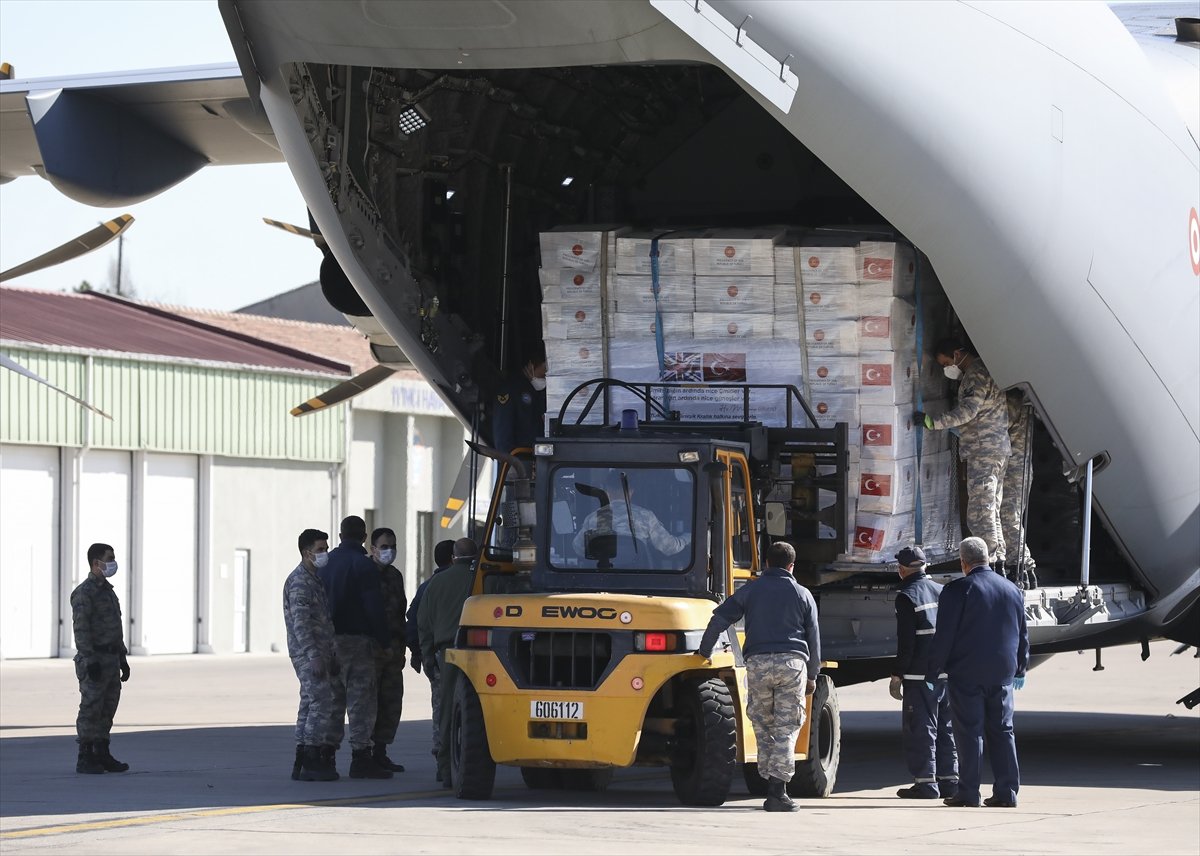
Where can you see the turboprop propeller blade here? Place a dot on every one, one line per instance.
(345, 390)
(296, 230)
(85, 243)
(13, 365)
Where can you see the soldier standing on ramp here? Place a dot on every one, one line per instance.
(310, 646)
(100, 661)
(783, 643)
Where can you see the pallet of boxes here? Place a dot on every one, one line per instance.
(731, 309)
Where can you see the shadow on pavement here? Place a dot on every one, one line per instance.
(182, 769)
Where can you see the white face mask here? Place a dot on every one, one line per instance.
(320, 559)
(110, 568)
(387, 556)
(538, 383)
(953, 372)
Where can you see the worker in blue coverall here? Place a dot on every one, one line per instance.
(927, 737)
(982, 644)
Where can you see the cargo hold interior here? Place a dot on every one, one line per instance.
(465, 169)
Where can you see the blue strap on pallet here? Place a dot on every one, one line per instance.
(918, 522)
(658, 321)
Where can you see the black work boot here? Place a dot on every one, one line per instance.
(313, 768)
(110, 764)
(88, 762)
(299, 762)
(383, 761)
(363, 766)
(328, 756)
(777, 797)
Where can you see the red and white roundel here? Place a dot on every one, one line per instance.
(819, 335)
(732, 291)
(823, 372)
(730, 252)
(580, 315)
(1194, 240)
(584, 353)
(577, 250)
(822, 408)
(578, 280)
(814, 261)
(732, 329)
(814, 298)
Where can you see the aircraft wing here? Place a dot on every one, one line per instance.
(121, 137)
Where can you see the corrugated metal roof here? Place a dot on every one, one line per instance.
(103, 322)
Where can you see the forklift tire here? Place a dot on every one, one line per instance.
(755, 784)
(540, 778)
(703, 763)
(472, 770)
(816, 776)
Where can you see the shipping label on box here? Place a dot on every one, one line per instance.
(833, 374)
(831, 408)
(834, 336)
(894, 330)
(576, 247)
(631, 325)
(570, 286)
(570, 321)
(887, 486)
(732, 325)
(878, 537)
(631, 293)
(886, 377)
(831, 301)
(735, 294)
(575, 357)
(741, 252)
(828, 265)
(633, 255)
(887, 431)
(887, 262)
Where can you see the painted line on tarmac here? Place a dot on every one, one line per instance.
(151, 819)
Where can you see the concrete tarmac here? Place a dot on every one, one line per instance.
(1109, 764)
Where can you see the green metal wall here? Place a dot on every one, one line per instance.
(167, 407)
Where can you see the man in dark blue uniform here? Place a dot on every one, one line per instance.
(983, 645)
(520, 405)
(361, 636)
(927, 737)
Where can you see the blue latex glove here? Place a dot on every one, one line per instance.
(930, 685)
(1018, 683)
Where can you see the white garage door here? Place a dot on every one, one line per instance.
(167, 571)
(29, 555)
(104, 518)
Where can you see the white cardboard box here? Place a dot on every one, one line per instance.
(831, 408)
(886, 377)
(561, 285)
(878, 537)
(633, 254)
(785, 264)
(828, 265)
(630, 293)
(887, 431)
(576, 247)
(735, 294)
(833, 336)
(575, 357)
(881, 262)
(831, 301)
(736, 252)
(828, 374)
(895, 330)
(634, 325)
(886, 486)
(570, 321)
(939, 477)
(732, 325)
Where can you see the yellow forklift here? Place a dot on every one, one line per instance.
(606, 549)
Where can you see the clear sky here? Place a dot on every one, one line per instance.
(200, 243)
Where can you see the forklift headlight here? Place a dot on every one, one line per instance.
(689, 457)
(543, 450)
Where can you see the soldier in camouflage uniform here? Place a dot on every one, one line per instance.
(101, 663)
(982, 419)
(311, 648)
(443, 555)
(389, 670)
(1021, 567)
(783, 657)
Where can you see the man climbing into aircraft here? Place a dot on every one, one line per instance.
(982, 419)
